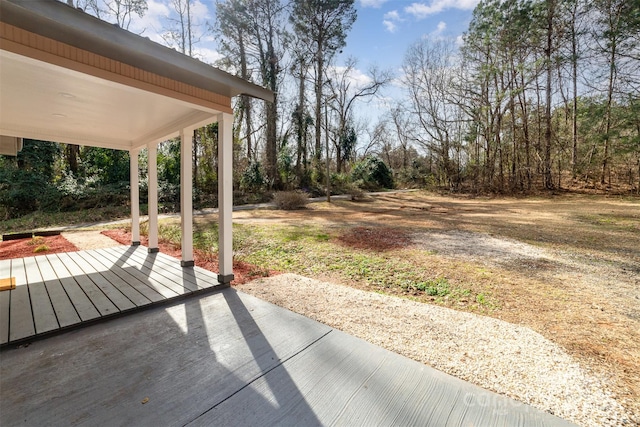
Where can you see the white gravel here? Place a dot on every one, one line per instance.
(89, 239)
(509, 359)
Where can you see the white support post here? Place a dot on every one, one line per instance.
(186, 196)
(225, 197)
(153, 197)
(135, 197)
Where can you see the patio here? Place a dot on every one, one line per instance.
(220, 358)
(60, 291)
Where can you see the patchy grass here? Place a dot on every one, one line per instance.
(319, 252)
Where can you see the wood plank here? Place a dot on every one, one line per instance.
(156, 291)
(62, 305)
(160, 276)
(99, 270)
(7, 284)
(109, 289)
(97, 297)
(198, 277)
(20, 316)
(44, 315)
(183, 358)
(342, 380)
(5, 301)
(203, 275)
(5, 268)
(142, 286)
(83, 305)
(18, 271)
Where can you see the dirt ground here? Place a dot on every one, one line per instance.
(567, 266)
(35, 246)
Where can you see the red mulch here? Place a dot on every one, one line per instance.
(242, 271)
(21, 248)
(375, 238)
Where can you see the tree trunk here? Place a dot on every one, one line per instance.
(195, 144)
(301, 123)
(574, 112)
(548, 183)
(612, 76)
(318, 88)
(72, 151)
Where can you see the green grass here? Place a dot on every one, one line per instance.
(311, 251)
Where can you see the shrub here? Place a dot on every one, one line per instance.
(372, 173)
(41, 248)
(290, 200)
(253, 178)
(356, 193)
(36, 241)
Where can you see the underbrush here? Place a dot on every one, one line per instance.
(41, 219)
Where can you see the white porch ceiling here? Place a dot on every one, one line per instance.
(44, 101)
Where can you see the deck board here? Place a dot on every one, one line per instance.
(20, 316)
(62, 306)
(5, 268)
(132, 291)
(5, 301)
(130, 275)
(145, 262)
(231, 359)
(97, 297)
(59, 291)
(82, 304)
(130, 270)
(44, 315)
(170, 277)
(199, 277)
(111, 290)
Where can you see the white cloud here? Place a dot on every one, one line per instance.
(200, 11)
(151, 24)
(391, 20)
(390, 26)
(422, 10)
(437, 33)
(376, 4)
(392, 15)
(355, 76)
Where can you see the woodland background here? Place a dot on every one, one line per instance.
(537, 96)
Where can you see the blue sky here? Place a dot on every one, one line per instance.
(385, 29)
(381, 35)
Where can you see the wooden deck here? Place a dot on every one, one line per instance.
(218, 358)
(61, 291)
(229, 359)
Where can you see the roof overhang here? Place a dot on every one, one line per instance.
(69, 77)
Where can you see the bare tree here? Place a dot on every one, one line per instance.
(323, 25)
(345, 93)
(121, 11)
(429, 77)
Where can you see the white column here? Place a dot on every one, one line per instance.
(153, 197)
(225, 197)
(135, 197)
(186, 196)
